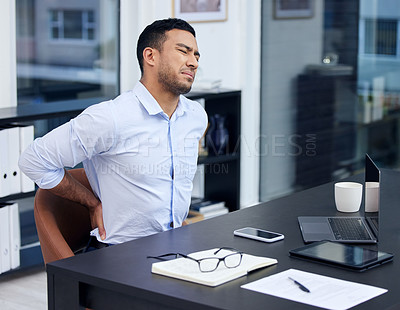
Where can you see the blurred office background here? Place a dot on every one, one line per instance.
(320, 80)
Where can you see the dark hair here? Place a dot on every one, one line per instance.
(154, 35)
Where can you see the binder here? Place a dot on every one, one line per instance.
(199, 182)
(26, 137)
(4, 184)
(15, 236)
(5, 259)
(14, 179)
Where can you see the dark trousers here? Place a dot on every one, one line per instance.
(94, 244)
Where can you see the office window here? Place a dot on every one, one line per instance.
(72, 25)
(381, 37)
(330, 92)
(67, 50)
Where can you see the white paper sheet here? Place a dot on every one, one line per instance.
(325, 292)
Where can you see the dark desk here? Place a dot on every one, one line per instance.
(119, 277)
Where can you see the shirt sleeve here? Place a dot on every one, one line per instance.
(88, 135)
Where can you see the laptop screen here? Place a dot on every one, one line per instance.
(372, 194)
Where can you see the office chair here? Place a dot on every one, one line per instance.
(63, 226)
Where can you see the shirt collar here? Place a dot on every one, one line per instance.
(146, 99)
(182, 106)
(151, 105)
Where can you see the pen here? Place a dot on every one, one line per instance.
(301, 286)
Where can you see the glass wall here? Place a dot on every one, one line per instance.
(67, 50)
(330, 91)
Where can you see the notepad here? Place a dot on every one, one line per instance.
(188, 270)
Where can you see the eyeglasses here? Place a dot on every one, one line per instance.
(209, 264)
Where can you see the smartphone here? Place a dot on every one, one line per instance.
(258, 234)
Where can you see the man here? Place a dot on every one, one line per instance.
(139, 151)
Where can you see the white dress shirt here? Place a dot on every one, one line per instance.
(140, 163)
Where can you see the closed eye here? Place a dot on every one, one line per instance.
(184, 49)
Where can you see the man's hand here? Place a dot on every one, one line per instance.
(71, 189)
(96, 219)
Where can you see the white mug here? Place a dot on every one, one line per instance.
(348, 196)
(371, 196)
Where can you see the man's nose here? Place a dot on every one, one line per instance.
(193, 62)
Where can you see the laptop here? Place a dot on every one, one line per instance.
(347, 229)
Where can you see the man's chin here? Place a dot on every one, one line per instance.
(184, 89)
(187, 90)
(178, 88)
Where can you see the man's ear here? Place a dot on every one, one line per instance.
(149, 56)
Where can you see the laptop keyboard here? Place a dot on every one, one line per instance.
(349, 229)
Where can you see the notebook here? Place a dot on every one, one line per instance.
(188, 270)
(347, 229)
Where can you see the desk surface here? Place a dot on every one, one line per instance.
(120, 276)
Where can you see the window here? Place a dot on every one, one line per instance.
(381, 37)
(318, 120)
(72, 25)
(67, 50)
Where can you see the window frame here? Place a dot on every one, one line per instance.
(363, 38)
(59, 24)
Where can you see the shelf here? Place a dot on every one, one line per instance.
(213, 93)
(17, 196)
(31, 112)
(216, 159)
(63, 108)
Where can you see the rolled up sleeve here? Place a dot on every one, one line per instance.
(88, 134)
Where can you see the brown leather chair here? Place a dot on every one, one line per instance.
(63, 226)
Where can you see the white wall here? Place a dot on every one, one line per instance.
(8, 76)
(230, 50)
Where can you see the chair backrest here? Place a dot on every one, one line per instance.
(63, 226)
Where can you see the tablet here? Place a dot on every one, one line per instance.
(342, 255)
